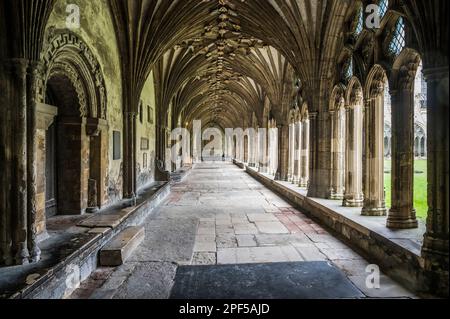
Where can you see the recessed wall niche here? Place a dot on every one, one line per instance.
(117, 154)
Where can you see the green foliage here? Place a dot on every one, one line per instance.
(420, 187)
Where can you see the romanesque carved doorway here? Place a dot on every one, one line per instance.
(75, 144)
(67, 153)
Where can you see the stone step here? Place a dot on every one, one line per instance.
(121, 247)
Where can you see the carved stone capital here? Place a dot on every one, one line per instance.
(95, 126)
(45, 115)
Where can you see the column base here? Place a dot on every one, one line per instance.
(336, 196)
(436, 249)
(7, 259)
(351, 202)
(374, 212)
(435, 254)
(35, 255)
(280, 178)
(22, 257)
(92, 210)
(397, 221)
(303, 184)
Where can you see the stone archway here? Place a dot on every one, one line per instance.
(73, 88)
(402, 214)
(353, 196)
(374, 198)
(338, 114)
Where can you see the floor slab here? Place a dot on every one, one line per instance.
(220, 218)
(313, 280)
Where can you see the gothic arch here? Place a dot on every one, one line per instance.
(375, 82)
(354, 93)
(67, 55)
(337, 97)
(404, 70)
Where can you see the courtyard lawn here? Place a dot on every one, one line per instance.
(420, 187)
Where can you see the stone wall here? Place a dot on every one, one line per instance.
(97, 31)
(146, 135)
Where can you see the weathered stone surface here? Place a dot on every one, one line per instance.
(148, 281)
(102, 221)
(271, 228)
(120, 248)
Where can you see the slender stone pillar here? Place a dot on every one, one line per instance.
(20, 196)
(291, 153)
(253, 148)
(297, 152)
(273, 151)
(338, 156)
(246, 147)
(7, 87)
(304, 180)
(402, 214)
(436, 245)
(129, 160)
(283, 153)
(34, 75)
(353, 196)
(263, 149)
(374, 203)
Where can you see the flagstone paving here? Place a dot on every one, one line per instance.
(220, 216)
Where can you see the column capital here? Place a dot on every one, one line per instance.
(313, 115)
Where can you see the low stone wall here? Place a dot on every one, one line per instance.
(399, 263)
(57, 282)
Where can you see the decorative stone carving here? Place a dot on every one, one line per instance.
(66, 54)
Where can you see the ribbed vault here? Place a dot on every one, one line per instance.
(220, 58)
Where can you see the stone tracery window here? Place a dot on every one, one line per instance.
(398, 40)
(383, 6)
(348, 69)
(360, 23)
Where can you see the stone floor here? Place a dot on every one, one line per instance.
(221, 216)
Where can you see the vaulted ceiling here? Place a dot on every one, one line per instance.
(225, 60)
(218, 60)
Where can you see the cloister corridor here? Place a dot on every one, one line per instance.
(219, 216)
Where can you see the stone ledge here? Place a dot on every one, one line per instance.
(180, 175)
(399, 260)
(52, 280)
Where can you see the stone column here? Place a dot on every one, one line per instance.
(402, 215)
(129, 160)
(435, 247)
(254, 148)
(97, 131)
(353, 196)
(338, 156)
(273, 152)
(7, 87)
(45, 118)
(19, 183)
(374, 203)
(283, 153)
(320, 155)
(246, 147)
(263, 143)
(34, 75)
(297, 152)
(291, 153)
(304, 180)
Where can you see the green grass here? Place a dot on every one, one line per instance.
(420, 187)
